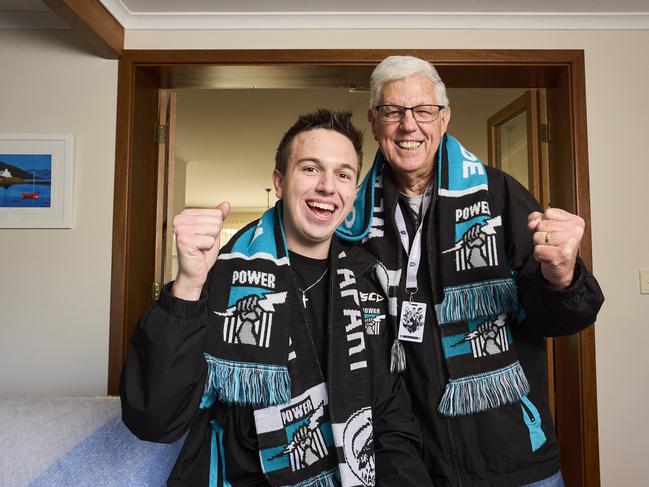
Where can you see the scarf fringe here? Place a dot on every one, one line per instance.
(246, 384)
(325, 479)
(487, 298)
(397, 357)
(480, 392)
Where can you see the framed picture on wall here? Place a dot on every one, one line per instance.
(36, 180)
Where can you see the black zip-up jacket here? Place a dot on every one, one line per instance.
(496, 447)
(164, 375)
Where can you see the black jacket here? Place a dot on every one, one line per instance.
(494, 448)
(163, 378)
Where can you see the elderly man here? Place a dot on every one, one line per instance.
(274, 351)
(478, 276)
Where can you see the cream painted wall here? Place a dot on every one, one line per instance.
(55, 290)
(617, 70)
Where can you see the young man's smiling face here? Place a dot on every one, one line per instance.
(317, 189)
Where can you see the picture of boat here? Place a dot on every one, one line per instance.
(34, 194)
(25, 180)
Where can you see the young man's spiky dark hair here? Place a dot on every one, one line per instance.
(322, 118)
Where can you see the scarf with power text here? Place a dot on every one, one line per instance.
(477, 298)
(260, 353)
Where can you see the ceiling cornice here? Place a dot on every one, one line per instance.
(341, 20)
(376, 20)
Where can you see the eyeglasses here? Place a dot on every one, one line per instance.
(421, 113)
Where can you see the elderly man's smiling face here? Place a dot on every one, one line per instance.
(410, 146)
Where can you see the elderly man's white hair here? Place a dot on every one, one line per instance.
(395, 68)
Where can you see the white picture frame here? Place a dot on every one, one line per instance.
(30, 200)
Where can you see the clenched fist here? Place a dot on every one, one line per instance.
(557, 236)
(198, 238)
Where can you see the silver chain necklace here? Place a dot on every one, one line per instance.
(304, 291)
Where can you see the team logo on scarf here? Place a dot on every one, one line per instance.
(303, 424)
(475, 241)
(250, 320)
(358, 443)
(305, 429)
(482, 339)
(490, 338)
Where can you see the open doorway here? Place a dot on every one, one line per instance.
(225, 141)
(142, 74)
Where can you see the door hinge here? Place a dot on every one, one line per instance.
(545, 133)
(156, 288)
(160, 133)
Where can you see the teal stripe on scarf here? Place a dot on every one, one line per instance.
(359, 221)
(273, 459)
(461, 177)
(456, 345)
(259, 238)
(238, 292)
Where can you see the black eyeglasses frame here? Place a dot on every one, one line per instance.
(403, 110)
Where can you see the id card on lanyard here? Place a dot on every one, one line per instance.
(413, 313)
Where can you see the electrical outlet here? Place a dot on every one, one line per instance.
(644, 281)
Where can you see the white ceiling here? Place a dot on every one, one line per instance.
(352, 14)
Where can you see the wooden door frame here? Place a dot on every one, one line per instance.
(528, 103)
(560, 71)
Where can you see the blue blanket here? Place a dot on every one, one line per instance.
(76, 442)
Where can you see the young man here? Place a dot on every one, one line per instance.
(274, 351)
(479, 276)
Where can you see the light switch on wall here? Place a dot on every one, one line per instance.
(644, 281)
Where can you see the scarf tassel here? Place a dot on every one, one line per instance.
(488, 298)
(245, 384)
(326, 479)
(397, 357)
(480, 392)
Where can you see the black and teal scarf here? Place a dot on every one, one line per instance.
(259, 352)
(478, 296)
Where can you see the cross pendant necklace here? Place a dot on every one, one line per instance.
(304, 291)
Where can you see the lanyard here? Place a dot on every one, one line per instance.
(414, 252)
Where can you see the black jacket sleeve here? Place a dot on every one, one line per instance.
(397, 436)
(163, 377)
(547, 312)
(161, 389)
